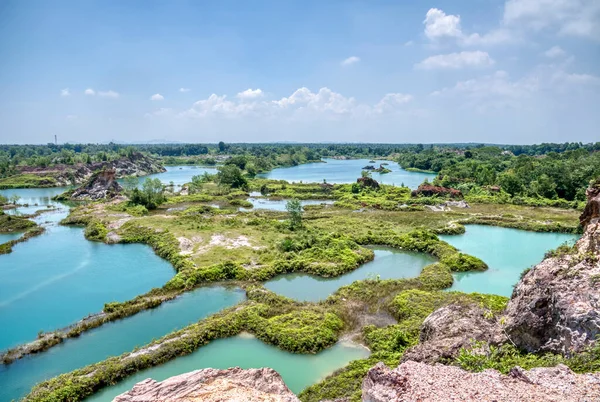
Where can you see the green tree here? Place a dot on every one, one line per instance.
(544, 186)
(231, 175)
(151, 195)
(510, 183)
(221, 146)
(294, 208)
(365, 174)
(130, 183)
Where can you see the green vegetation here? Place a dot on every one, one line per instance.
(503, 358)
(546, 175)
(209, 245)
(294, 208)
(150, 196)
(12, 224)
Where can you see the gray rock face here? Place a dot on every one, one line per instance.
(556, 306)
(448, 329)
(211, 385)
(136, 164)
(412, 382)
(100, 186)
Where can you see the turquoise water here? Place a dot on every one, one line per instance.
(59, 277)
(179, 175)
(279, 205)
(297, 370)
(388, 264)
(37, 198)
(6, 237)
(113, 339)
(347, 171)
(506, 251)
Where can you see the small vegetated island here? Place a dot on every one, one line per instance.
(542, 341)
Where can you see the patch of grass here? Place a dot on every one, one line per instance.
(27, 181)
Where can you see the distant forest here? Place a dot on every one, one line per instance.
(547, 171)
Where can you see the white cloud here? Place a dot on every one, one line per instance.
(391, 102)
(184, 90)
(566, 17)
(108, 94)
(65, 92)
(456, 61)
(89, 91)
(350, 60)
(409, 43)
(500, 91)
(71, 117)
(250, 94)
(554, 52)
(157, 97)
(302, 103)
(439, 25)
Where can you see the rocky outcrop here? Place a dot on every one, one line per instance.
(451, 328)
(136, 164)
(368, 182)
(212, 385)
(556, 306)
(102, 185)
(412, 382)
(428, 190)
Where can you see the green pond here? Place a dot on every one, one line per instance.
(506, 251)
(388, 264)
(113, 339)
(336, 171)
(297, 370)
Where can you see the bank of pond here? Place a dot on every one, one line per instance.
(114, 338)
(57, 278)
(508, 252)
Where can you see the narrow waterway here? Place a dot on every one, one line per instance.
(336, 171)
(297, 370)
(113, 339)
(506, 251)
(388, 263)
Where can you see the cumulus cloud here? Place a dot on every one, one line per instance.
(350, 60)
(250, 93)
(184, 90)
(440, 26)
(554, 52)
(108, 94)
(157, 97)
(90, 92)
(500, 91)
(65, 92)
(456, 61)
(566, 17)
(302, 103)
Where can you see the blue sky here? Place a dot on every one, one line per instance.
(500, 71)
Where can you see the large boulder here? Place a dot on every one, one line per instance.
(368, 182)
(429, 190)
(101, 185)
(415, 382)
(556, 306)
(212, 385)
(451, 328)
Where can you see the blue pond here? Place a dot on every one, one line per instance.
(506, 251)
(336, 171)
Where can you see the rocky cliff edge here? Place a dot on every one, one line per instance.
(212, 385)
